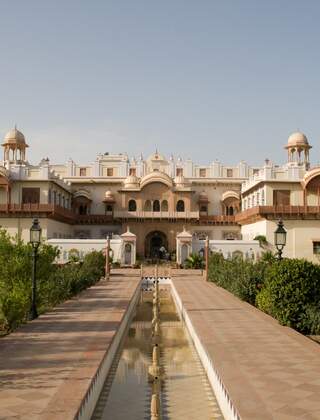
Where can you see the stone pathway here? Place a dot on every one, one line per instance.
(46, 366)
(269, 371)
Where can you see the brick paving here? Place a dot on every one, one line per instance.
(46, 365)
(269, 371)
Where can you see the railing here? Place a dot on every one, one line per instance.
(93, 218)
(277, 211)
(37, 208)
(156, 214)
(218, 219)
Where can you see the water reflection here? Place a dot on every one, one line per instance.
(127, 394)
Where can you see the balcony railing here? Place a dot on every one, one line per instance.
(277, 211)
(37, 208)
(156, 214)
(93, 219)
(218, 219)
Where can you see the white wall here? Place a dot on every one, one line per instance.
(300, 236)
(84, 246)
(249, 249)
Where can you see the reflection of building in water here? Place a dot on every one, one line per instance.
(135, 360)
(157, 197)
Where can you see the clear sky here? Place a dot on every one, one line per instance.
(202, 79)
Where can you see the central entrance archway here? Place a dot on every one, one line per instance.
(156, 245)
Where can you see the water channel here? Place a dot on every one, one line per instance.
(185, 391)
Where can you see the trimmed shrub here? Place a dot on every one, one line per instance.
(288, 290)
(54, 283)
(243, 278)
(292, 291)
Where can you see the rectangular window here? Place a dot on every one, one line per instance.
(30, 195)
(229, 173)
(203, 173)
(109, 171)
(281, 198)
(83, 171)
(132, 171)
(179, 172)
(316, 247)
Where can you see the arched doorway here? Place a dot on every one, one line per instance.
(184, 252)
(156, 245)
(127, 254)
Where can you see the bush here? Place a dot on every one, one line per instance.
(262, 240)
(291, 292)
(195, 261)
(310, 320)
(243, 278)
(93, 267)
(54, 283)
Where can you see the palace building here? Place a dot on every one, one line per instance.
(160, 198)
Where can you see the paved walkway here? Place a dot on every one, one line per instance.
(46, 365)
(269, 371)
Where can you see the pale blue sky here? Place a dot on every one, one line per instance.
(203, 79)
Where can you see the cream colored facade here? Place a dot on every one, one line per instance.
(159, 197)
(290, 192)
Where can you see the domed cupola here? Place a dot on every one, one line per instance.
(132, 182)
(108, 197)
(14, 145)
(298, 149)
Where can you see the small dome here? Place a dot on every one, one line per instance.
(131, 181)
(297, 139)
(108, 197)
(14, 136)
(108, 194)
(203, 196)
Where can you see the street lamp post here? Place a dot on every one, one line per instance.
(35, 239)
(280, 238)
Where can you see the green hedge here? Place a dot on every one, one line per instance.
(289, 290)
(292, 294)
(54, 283)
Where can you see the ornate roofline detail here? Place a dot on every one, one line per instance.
(156, 176)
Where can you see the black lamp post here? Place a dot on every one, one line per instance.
(35, 238)
(280, 238)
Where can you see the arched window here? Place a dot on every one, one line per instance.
(230, 211)
(156, 205)
(180, 205)
(83, 209)
(147, 205)
(132, 205)
(164, 205)
(203, 209)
